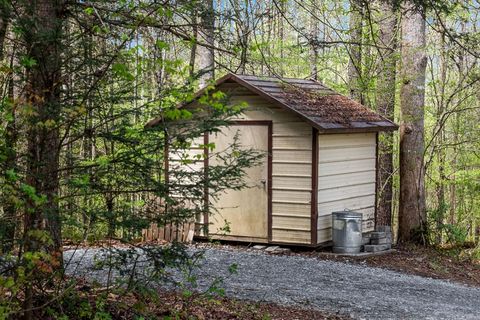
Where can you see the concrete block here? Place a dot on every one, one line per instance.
(377, 235)
(377, 247)
(381, 241)
(365, 240)
(259, 247)
(386, 229)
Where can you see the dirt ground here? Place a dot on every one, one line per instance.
(448, 264)
(170, 305)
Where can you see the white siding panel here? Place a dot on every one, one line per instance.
(347, 179)
(288, 155)
(347, 164)
(334, 194)
(293, 182)
(291, 195)
(284, 222)
(292, 142)
(324, 235)
(340, 140)
(293, 128)
(292, 169)
(276, 115)
(298, 209)
(291, 236)
(343, 167)
(350, 204)
(346, 153)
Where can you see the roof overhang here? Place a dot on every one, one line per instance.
(323, 127)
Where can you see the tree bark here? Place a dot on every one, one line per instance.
(442, 205)
(314, 33)
(10, 135)
(385, 101)
(412, 215)
(206, 32)
(42, 35)
(4, 21)
(355, 51)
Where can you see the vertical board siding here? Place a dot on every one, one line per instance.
(346, 178)
(291, 169)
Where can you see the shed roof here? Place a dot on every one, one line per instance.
(323, 108)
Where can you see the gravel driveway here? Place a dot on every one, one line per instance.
(359, 291)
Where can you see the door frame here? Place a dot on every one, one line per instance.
(269, 125)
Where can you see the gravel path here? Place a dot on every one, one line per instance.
(359, 291)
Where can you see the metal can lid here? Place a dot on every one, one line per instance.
(347, 214)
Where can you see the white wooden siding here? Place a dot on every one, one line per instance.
(190, 160)
(346, 178)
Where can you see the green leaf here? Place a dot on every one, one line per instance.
(233, 268)
(89, 11)
(28, 62)
(162, 45)
(122, 71)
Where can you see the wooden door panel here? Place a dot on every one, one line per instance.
(246, 210)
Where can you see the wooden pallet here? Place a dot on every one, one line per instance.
(169, 233)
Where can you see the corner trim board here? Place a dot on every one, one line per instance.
(376, 182)
(205, 190)
(314, 208)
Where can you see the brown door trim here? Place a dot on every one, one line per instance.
(314, 199)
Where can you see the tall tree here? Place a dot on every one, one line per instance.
(7, 221)
(42, 28)
(355, 50)
(412, 213)
(4, 20)
(313, 41)
(206, 33)
(385, 102)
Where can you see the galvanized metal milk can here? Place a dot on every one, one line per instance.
(346, 231)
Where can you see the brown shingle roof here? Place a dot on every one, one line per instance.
(322, 107)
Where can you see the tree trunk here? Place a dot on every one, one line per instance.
(412, 215)
(8, 220)
(43, 26)
(314, 33)
(206, 34)
(355, 51)
(242, 23)
(112, 219)
(385, 101)
(442, 205)
(4, 21)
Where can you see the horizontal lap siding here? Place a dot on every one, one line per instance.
(346, 179)
(190, 160)
(291, 169)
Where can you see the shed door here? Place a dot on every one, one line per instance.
(244, 211)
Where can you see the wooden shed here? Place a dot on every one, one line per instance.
(321, 157)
